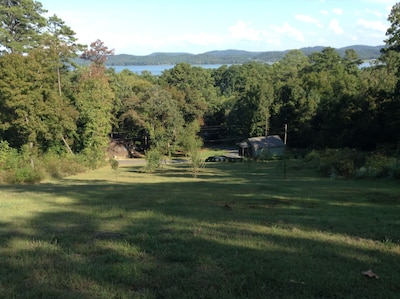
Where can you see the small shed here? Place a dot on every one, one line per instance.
(262, 147)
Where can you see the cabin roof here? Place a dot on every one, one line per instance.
(262, 141)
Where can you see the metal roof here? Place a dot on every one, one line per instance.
(260, 142)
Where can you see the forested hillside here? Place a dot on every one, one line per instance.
(50, 109)
(231, 56)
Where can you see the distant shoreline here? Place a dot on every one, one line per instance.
(155, 69)
(229, 57)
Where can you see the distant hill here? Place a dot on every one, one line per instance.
(230, 56)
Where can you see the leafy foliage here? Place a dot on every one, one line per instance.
(21, 24)
(97, 53)
(153, 160)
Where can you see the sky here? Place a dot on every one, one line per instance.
(142, 27)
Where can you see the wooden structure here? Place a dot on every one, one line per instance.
(262, 147)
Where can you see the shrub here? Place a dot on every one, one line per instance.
(114, 165)
(93, 157)
(196, 162)
(313, 159)
(335, 162)
(25, 174)
(153, 160)
(378, 165)
(19, 166)
(25, 166)
(9, 157)
(58, 166)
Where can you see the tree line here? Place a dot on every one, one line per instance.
(48, 104)
(229, 56)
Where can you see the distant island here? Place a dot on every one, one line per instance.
(230, 56)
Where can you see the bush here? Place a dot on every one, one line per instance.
(313, 159)
(351, 163)
(153, 160)
(379, 165)
(24, 166)
(26, 174)
(9, 157)
(19, 166)
(335, 162)
(58, 166)
(93, 157)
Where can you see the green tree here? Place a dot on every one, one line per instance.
(393, 32)
(252, 111)
(129, 91)
(250, 100)
(94, 99)
(295, 105)
(351, 61)
(197, 86)
(21, 25)
(333, 81)
(31, 110)
(391, 58)
(45, 47)
(60, 47)
(61, 44)
(162, 118)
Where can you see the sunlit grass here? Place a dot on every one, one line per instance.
(238, 230)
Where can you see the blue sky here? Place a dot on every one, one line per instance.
(142, 27)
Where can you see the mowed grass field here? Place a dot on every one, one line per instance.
(238, 230)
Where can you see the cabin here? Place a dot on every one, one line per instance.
(262, 147)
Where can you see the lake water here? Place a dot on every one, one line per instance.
(158, 69)
(155, 69)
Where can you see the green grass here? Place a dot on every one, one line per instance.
(169, 235)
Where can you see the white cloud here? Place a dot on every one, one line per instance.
(337, 11)
(309, 20)
(286, 29)
(242, 30)
(335, 27)
(374, 12)
(324, 12)
(374, 25)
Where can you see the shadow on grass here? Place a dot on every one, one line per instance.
(293, 238)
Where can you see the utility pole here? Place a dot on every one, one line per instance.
(284, 153)
(285, 139)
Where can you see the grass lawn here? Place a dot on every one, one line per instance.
(238, 230)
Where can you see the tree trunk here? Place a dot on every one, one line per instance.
(66, 144)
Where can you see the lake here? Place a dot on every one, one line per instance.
(158, 69)
(155, 69)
